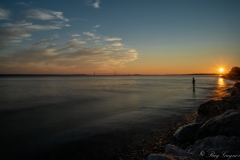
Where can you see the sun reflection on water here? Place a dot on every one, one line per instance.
(221, 89)
(221, 82)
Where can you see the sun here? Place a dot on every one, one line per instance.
(221, 70)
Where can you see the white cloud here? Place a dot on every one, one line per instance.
(42, 27)
(117, 44)
(4, 14)
(43, 55)
(113, 39)
(89, 34)
(75, 42)
(37, 14)
(67, 25)
(97, 26)
(55, 36)
(26, 26)
(24, 35)
(96, 4)
(43, 14)
(10, 32)
(23, 3)
(76, 35)
(48, 58)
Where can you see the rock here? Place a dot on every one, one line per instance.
(176, 151)
(233, 74)
(214, 108)
(155, 156)
(187, 133)
(216, 146)
(226, 124)
(236, 90)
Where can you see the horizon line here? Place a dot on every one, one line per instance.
(29, 74)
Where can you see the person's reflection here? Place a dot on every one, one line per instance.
(194, 94)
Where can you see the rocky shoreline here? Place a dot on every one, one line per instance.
(214, 134)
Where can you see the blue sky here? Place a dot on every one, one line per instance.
(124, 36)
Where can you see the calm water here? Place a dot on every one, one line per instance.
(40, 112)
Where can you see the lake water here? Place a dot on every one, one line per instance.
(40, 112)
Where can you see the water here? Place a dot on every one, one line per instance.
(38, 113)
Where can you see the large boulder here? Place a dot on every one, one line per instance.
(233, 74)
(218, 147)
(214, 108)
(235, 71)
(236, 90)
(227, 124)
(176, 151)
(187, 133)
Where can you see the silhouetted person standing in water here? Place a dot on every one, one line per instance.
(193, 83)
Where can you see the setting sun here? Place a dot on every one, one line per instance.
(221, 70)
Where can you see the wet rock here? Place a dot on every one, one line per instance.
(226, 124)
(236, 90)
(166, 157)
(216, 146)
(214, 108)
(187, 133)
(176, 151)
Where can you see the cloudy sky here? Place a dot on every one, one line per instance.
(123, 36)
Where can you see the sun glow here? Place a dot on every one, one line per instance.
(221, 70)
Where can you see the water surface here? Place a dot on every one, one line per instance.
(40, 112)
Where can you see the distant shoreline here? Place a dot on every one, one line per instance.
(38, 75)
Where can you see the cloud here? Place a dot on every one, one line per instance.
(42, 41)
(89, 34)
(96, 4)
(76, 35)
(132, 51)
(42, 27)
(4, 14)
(117, 44)
(13, 33)
(44, 56)
(43, 14)
(26, 26)
(55, 36)
(97, 26)
(113, 39)
(71, 44)
(20, 31)
(23, 4)
(75, 42)
(47, 59)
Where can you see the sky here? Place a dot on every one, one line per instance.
(119, 36)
